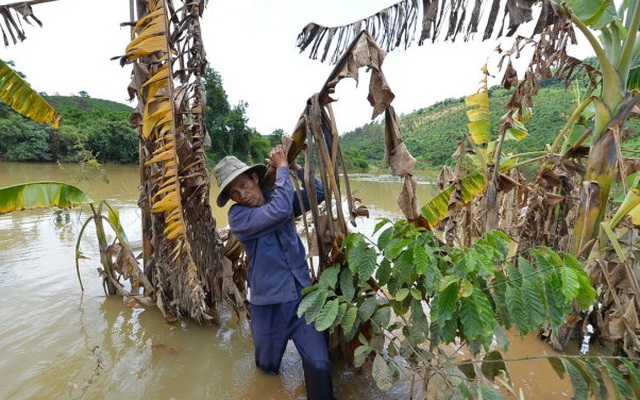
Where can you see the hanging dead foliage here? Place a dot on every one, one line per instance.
(396, 25)
(182, 250)
(12, 16)
(316, 131)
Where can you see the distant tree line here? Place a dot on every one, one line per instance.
(91, 128)
(94, 128)
(228, 128)
(99, 129)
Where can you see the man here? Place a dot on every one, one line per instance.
(263, 222)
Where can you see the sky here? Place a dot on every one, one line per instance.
(252, 44)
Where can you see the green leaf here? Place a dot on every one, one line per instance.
(515, 305)
(619, 382)
(395, 247)
(433, 276)
(327, 315)
(557, 305)
(533, 304)
(570, 283)
(355, 254)
(466, 288)
(113, 216)
(580, 388)
(381, 373)
(595, 13)
(28, 196)
(383, 239)
(446, 303)
(465, 392)
(634, 377)
(416, 294)
(380, 224)
(420, 259)
(368, 264)
(446, 281)
(405, 270)
(329, 277)
(480, 131)
(360, 355)
(633, 82)
(21, 97)
(402, 294)
(476, 316)
(307, 301)
(592, 371)
(437, 208)
(384, 272)
(349, 319)
(502, 311)
(346, 284)
(587, 295)
(557, 365)
(342, 309)
(516, 134)
(382, 316)
(493, 364)
(309, 289)
(316, 306)
(367, 308)
(419, 324)
(502, 340)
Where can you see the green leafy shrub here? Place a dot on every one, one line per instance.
(427, 294)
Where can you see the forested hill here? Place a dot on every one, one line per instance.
(431, 134)
(85, 103)
(99, 129)
(89, 129)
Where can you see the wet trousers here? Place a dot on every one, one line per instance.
(272, 326)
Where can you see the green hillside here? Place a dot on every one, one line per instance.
(84, 103)
(432, 133)
(89, 128)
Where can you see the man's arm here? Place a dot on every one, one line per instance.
(246, 221)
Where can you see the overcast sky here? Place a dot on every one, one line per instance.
(251, 43)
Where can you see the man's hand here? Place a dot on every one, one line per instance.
(294, 165)
(277, 157)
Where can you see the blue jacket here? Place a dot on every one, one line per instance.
(274, 249)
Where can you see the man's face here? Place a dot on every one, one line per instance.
(245, 190)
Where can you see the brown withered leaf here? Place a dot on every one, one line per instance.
(631, 165)
(407, 199)
(396, 153)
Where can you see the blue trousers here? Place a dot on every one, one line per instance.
(272, 326)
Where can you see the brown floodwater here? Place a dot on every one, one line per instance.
(58, 342)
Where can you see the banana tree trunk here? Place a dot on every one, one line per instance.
(602, 167)
(601, 170)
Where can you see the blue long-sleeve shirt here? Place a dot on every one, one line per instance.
(275, 252)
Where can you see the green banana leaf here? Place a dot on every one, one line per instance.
(40, 195)
(437, 208)
(19, 95)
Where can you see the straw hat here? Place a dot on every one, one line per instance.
(228, 169)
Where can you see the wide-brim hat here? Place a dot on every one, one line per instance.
(228, 169)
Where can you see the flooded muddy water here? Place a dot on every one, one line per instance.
(58, 342)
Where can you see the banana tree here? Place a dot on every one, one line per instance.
(583, 162)
(182, 251)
